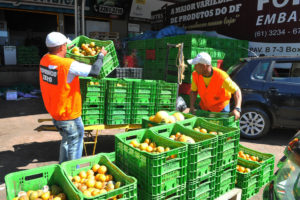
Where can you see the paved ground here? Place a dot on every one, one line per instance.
(22, 147)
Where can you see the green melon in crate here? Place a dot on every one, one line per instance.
(110, 61)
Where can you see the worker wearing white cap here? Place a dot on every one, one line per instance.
(214, 87)
(60, 87)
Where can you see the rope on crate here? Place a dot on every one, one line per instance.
(180, 63)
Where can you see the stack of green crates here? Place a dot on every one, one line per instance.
(202, 161)
(143, 99)
(250, 182)
(93, 100)
(128, 188)
(267, 163)
(110, 61)
(159, 175)
(227, 152)
(119, 99)
(28, 55)
(166, 94)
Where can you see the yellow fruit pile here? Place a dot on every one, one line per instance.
(245, 156)
(55, 193)
(86, 49)
(164, 117)
(95, 181)
(148, 146)
(182, 138)
(242, 169)
(203, 130)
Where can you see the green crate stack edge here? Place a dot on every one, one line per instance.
(166, 94)
(128, 188)
(143, 99)
(110, 61)
(249, 182)
(268, 163)
(227, 152)
(158, 176)
(36, 178)
(93, 92)
(228, 50)
(202, 159)
(118, 101)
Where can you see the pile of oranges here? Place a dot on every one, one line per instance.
(87, 49)
(242, 169)
(151, 147)
(182, 138)
(52, 193)
(95, 181)
(203, 130)
(246, 156)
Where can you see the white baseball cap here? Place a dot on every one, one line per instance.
(55, 39)
(202, 58)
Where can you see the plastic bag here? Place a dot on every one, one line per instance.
(180, 104)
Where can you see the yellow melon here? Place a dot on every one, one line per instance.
(161, 116)
(179, 116)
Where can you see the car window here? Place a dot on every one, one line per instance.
(286, 72)
(260, 71)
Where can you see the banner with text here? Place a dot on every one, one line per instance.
(266, 21)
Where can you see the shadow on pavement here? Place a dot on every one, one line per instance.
(44, 152)
(279, 137)
(21, 107)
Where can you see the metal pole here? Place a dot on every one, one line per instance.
(82, 18)
(75, 16)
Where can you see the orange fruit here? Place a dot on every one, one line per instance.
(102, 178)
(90, 183)
(90, 172)
(203, 130)
(95, 167)
(98, 185)
(82, 188)
(102, 169)
(77, 179)
(109, 177)
(147, 140)
(177, 135)
(247, 170)
(242, 169)
(82, 174)
(95, 192)
(149, 149)
(87, 193)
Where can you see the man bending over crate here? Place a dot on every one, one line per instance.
(214, 87)
(59, 82)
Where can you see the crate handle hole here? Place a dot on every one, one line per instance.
(162, 130)
(170, 196)
(131, 137)
(35, 176)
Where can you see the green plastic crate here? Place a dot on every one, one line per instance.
(225, 179)
(111, 156)
(147, 123)
(140, 111)
(36, 178)
(227, 143)
(93, 119)
(110, 61)
(223, 119)
(93, 109)
(249, 182)
(156, 173)
(178, 193)
(119, 86)
(267, 165)
(128, 184)
(201, 188)
(143, 91)
(202, 156)
(88, 84)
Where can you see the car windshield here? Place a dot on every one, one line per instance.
(234, 69)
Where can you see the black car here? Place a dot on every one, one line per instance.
(271, 94)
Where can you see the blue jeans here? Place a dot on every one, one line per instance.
(71, 145)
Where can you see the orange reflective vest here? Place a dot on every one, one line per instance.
(214, 97)
(62, 99)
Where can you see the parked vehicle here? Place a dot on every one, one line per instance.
(271, 94)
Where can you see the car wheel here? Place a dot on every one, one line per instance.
(254, 123)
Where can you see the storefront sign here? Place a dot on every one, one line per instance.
(106, 8)
(266, 21)
(69, 4)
